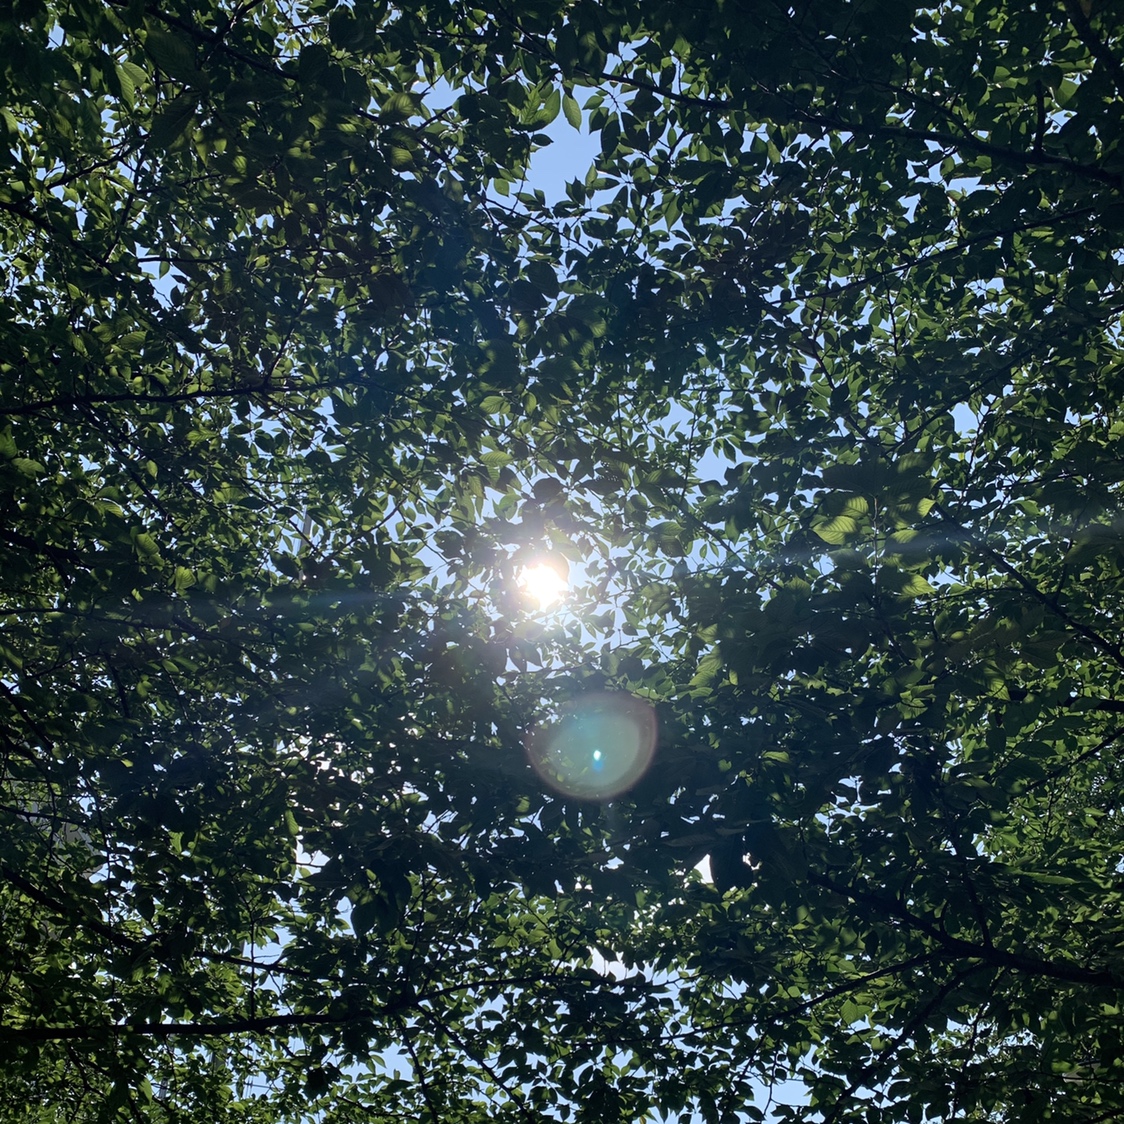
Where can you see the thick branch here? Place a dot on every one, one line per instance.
(123, 941)
(217, 1029)
(1096, 46)
(988, 954)
(69, 401)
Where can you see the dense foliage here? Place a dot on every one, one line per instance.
(815, 379)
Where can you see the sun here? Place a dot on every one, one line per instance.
(544, 584)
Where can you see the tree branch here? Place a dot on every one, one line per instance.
(969, 142)
(988, 954)
(217, 1029)
(1096, 46)
(1099, 642)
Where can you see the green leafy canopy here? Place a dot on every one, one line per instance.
(814, 378)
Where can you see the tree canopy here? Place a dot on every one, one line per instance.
(813, 380)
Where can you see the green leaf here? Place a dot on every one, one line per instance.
(541, 275)
(572, 111)
(173, 53)
(916, 586)
(364, 917)
(172, 122)
(130, 76)
(550, 108)
(312, 63)
(836, 529)
(146, 546)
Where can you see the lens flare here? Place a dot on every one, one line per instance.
(599, 747)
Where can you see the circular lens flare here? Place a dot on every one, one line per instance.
(598, 749)
(544, 584)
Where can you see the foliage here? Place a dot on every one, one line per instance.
(815, 378)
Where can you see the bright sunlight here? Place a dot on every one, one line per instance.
(544, 584)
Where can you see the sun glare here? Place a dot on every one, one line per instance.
(543, 584)
(598, 747)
